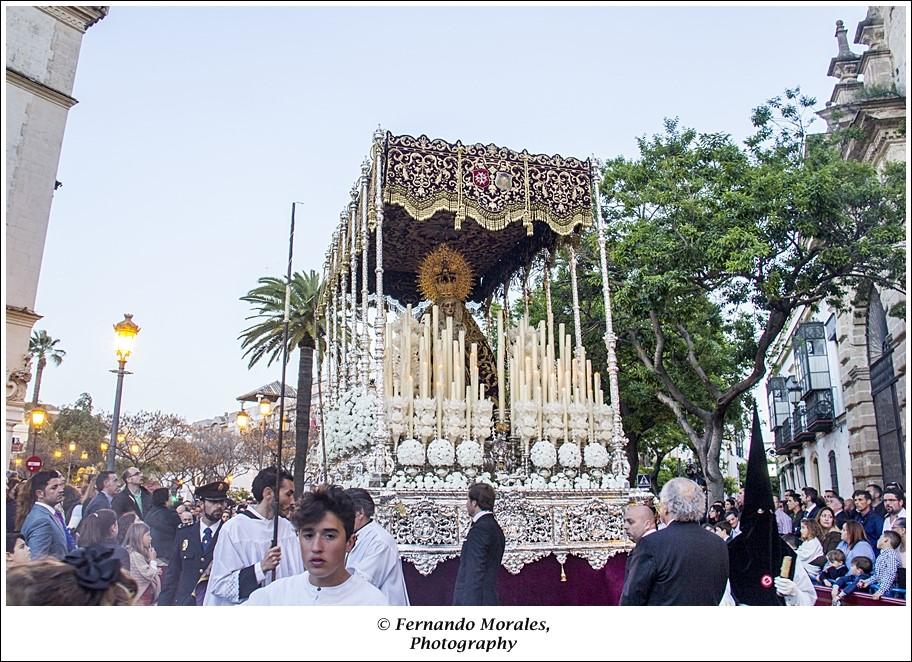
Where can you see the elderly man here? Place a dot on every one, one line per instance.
(682, 564)
(375, 555)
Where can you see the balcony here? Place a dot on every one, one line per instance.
(782, 436)
(819, 410)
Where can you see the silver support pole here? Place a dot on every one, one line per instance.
(619, 461)
(364, 366)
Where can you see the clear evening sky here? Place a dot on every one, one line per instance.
(198, 126)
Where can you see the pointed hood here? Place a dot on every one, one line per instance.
(755, 556)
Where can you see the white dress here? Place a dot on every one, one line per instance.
(808, 551)
(376, 558)
(298, 591)
(242, 542)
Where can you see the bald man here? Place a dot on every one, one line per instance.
(639, 522)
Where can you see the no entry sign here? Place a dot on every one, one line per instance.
(33, 464)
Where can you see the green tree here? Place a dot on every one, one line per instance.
(42, 346)
(78, 424)
(705, 234)
(263, 340)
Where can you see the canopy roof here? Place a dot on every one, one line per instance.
(498, 207)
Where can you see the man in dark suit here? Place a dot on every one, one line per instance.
(133, 498)
(682, 564)
(43, 528)
(191, 558)
(106, 483)
(482, 551)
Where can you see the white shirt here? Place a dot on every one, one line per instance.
(244, 542)
(376, 558)
(888, 523)
(298, 590)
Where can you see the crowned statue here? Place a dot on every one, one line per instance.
(445, 278)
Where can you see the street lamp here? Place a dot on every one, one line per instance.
(125, 334)
(242, 418)
(37, 419)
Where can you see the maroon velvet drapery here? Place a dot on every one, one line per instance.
(537, 584)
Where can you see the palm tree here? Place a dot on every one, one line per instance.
(44, 347)
(264, 340)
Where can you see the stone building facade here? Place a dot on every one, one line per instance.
(42, 53)
(865, 348)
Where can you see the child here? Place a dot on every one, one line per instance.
(16, 549)
(887, 565)
(843, 586)
(835, 567)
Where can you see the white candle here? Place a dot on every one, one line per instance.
(501, 383)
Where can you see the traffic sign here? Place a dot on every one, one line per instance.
(642, 482)
(33, 464)
(16, 446)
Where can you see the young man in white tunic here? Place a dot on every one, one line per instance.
(244, 559)
(376, 554)
(325, 522)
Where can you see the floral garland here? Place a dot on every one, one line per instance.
(441, 453)
(543, 454)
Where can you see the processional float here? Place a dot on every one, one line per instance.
(429, 387)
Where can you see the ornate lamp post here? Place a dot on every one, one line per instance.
(37, 419)
(125, 333)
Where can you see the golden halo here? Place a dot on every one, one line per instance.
(445, 274)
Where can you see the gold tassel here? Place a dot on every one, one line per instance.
(563, 574)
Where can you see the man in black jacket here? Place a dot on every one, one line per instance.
(682, 564)
(163, 523)
(482, 551)
(191, 557)
(133, 497)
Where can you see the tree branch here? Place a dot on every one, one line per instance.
(695, 364)
(695, 439)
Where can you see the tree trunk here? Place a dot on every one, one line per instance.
(715, 485)
(302, 414)
(633, 457)
(654, 477)
(42, 362)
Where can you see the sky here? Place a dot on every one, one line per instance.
(197, 127)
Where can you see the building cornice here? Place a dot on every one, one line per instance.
(38, 88)
(21, 316)
(81, 18)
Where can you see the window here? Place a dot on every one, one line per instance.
(834, 476)
(883, 392)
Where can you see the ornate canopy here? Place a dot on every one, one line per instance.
(497, 207)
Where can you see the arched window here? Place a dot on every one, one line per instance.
(883, 392)
(834, 477)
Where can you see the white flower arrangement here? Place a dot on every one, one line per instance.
(454, 419)
(396, 420)
(560, 482)
(569, 455)
(596, 456)
(486, 477)
(410, 453)
(604, 422)
(526, 423)
(578, 421)
(553, 421)
(482, 413)
(350, 423)
(425, 418)
(456, 481)
(441, 453)
(543, 454)
(584, 482)
(536, 482)
(470, 454)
